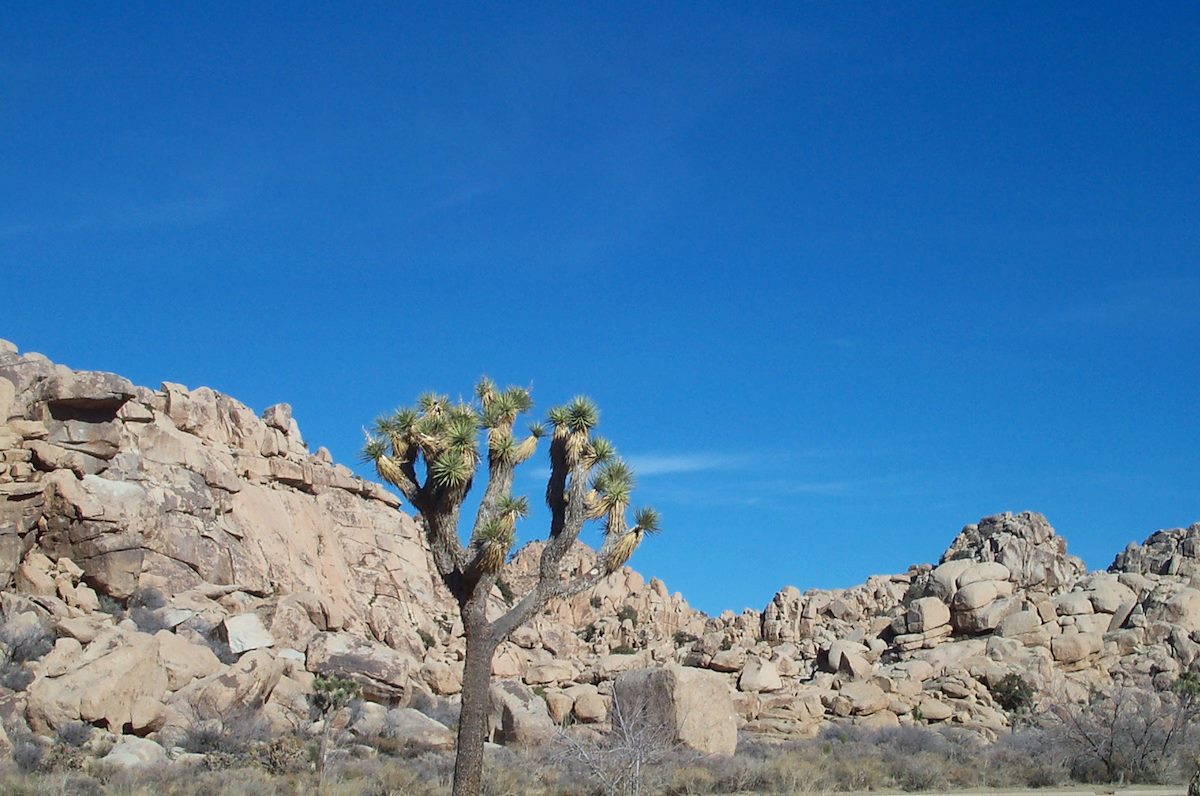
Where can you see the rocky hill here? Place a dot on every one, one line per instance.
(168, 557)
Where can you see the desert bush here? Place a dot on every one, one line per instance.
(148, 620)
(231, 736)
(15, 676)
(147, 597)
(628, 612)
(61, 757)
(75, 785)
(26, 641)
(686, 780)
(910, 740)
(27, 754)
(1025, 758)
(683, 638)
(623, 760)
(283, 754)
(75, 733)
(1125, 734)
(13, 783)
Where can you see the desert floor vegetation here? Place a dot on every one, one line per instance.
(839, 760)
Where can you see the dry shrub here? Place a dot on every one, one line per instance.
(1127, 734)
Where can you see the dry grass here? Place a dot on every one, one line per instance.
(838, 761)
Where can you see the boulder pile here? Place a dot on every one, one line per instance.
(169, 557)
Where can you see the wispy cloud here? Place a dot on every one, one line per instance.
(651, 464)
(123, 216)
(1151, 299)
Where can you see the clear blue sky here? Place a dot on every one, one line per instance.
(841, 278)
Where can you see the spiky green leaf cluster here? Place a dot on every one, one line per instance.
(501, 408)
(582, 414)
(451, 469)
(559, 417)
(599, 451)
(614, 481)
(647, 520)
(497, 531)
(516, 507)
(373, 449)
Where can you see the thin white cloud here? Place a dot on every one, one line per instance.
(118, 216)
(651, 464)
(1148, 300)
(654, 464)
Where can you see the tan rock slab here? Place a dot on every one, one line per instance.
(694, 705)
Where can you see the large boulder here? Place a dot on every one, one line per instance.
(383, 673)
(860, 699)
(246, 632)
(414, 728)
(759, 674)
(131, 751)
(250, 681)
(519, 716)
(926, 614)
(691, 706)
(117, 682)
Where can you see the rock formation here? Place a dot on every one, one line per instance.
(168, 557)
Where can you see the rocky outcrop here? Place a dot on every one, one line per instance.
(1174, 552)
(182, 557)
(1025, 544)
(176, 535)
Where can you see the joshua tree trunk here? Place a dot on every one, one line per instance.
(476, 704)
(587, 482)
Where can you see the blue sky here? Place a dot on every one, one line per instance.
(841, 278)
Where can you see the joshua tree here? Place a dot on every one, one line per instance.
(330, 695)
(431, 454)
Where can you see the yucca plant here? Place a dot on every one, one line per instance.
(432, 451)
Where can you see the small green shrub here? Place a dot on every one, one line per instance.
(1013, 693)
(682, 638)
(628, 612)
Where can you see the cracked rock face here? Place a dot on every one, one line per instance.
(176, 488)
